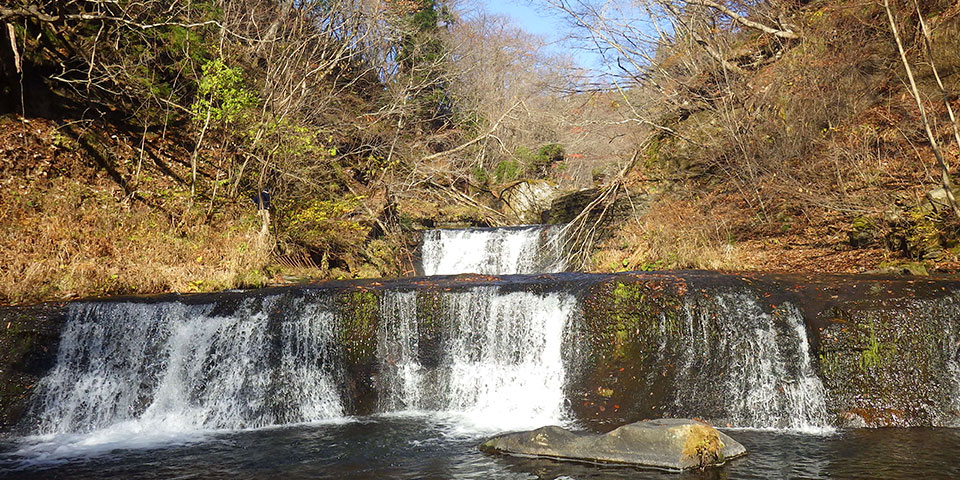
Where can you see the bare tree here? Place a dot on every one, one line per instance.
(931, 137)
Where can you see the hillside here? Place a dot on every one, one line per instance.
(800, 152)
(134, 137)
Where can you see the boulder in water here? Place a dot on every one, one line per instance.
(676, 444)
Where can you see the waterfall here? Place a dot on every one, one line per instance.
(772, 384)
(754, 365)
(172, 366)
(398, 348)
(487, 357)
(499, 363)
(656, 349)
(951, 342)
(493, 251)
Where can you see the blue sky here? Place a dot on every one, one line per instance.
(554, 26)
(539, 20)
(530, 19)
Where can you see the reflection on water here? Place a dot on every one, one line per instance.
(429, 448)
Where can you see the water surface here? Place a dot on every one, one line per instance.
(433, 447)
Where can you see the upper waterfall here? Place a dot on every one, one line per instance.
(493, 251)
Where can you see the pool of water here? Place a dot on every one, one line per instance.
(427, 447)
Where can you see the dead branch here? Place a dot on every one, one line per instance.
(928, 43)
(934, 145)
(489, 132)
(746, 22)
(496, 218)
(702, 42)
(579, 236)
(13, 46)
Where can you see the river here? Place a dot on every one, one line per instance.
(404, 378)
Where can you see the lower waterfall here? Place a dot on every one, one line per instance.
(499, 362)
(478, 357)
(714, 354)
(768, 381)
(494, 362)
(186, 367)
(359, 377)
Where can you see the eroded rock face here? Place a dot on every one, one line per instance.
(676, 444)
(526, 201)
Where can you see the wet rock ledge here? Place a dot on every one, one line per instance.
(675, 444)
(29, 337)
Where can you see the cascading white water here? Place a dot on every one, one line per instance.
(493, 251)
(173, 367)
(951, 343)
(169, 368)
(491, 357)
(399, 353)
(500, 365)
(762, 363)
(486, 358)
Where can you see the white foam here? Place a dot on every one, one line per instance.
(501, 251)
(128, 435)
(501, 365)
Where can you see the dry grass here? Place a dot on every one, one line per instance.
(673, 234)
(721, 232)
(65, 238)
(68, 229)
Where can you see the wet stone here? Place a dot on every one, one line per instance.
(675, 444)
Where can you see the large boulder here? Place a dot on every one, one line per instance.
(676, 444)
(526, 201)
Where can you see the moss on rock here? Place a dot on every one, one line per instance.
(880, 365)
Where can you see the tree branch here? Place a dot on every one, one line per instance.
(944, 167)
(32, 11)
(743, 20)
(475, 140)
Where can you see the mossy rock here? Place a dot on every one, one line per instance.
(863, 232)
(885, 363)
(902, 268)
(624, 376)
(359, 317)
(675, 444)
(367, 270)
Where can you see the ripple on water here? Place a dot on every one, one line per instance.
(423, 447)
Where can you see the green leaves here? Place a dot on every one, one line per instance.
(222, 94)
